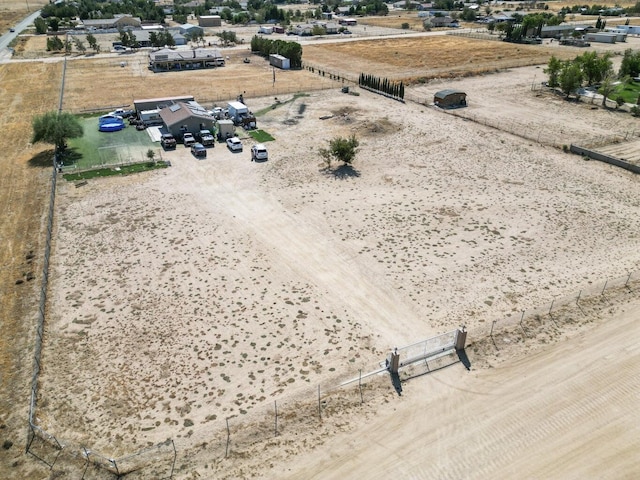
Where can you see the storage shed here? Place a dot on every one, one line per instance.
(450, 98)
(210, 21)
(279, 61)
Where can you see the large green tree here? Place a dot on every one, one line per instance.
(55, 128)
(570, 78)
(554, 67)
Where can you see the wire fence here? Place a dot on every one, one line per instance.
(588, 301)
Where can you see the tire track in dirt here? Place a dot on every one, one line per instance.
(304, 250)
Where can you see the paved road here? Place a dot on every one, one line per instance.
(7, 38)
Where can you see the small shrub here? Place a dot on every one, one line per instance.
(565, 148)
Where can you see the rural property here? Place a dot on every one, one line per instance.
(224, 318)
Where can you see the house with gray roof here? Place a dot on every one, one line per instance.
(168, 60)
(118, 22)
(182, 117)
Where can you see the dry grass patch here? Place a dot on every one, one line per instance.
(102, 82)
(23, 196)
(426, 57)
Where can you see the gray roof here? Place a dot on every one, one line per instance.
(166, 54)
(447, 92)
(180, 111)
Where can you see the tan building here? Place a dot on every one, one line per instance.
(210, 21)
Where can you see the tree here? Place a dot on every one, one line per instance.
(607, 88)
(54, 44)
(594, 67)
(93, 43)
(54, 23)
(554, 67)
(570, 78)
(79, 44)
(55, 128)
(341, 149)
(41, 25)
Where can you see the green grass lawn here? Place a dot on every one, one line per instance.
(628, 92)
(260, 136)
(97, 148)
(108, 172)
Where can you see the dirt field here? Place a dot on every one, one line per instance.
(210, 272)
(210, 289)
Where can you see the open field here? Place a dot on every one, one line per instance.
(12, 11)
(24, 194)
(427, 57)
(213, 288)
(102, 83)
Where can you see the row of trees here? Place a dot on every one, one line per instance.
(147, 10)
(383, 85)
(290, 50)
(594, 70)
(55, 44)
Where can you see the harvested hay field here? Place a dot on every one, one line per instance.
(102, 83)
(426, 57)
(23, 198)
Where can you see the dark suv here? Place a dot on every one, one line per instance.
(198, 150)
(168, 141)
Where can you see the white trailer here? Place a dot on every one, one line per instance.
(237, 110)
(279, 61)
(151, 117)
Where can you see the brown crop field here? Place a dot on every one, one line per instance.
(427, 57)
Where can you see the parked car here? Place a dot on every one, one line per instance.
(12, 30)
(121, 112)
(259, 152)
(168, 141)
(198, 150)
(234, 144)
(188, 139)
(206, 138)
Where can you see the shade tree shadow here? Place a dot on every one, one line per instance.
(342, 172)
(42, 160)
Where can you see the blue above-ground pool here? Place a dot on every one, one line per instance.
(111, 127)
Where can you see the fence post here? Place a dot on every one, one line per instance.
(226, 452)
(605, 286)
(627, 282)
(521, 318)
(319, 405)
(360, 387)
(175, 454)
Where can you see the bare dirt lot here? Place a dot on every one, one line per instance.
(211, 289)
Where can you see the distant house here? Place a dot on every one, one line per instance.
(143, 37)
(306, 29)
(330, 27)
(450, 99)
(167, 59)
(190, 30)
(118, 22)
(445, 21)
(182, 117)
(347, 21)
